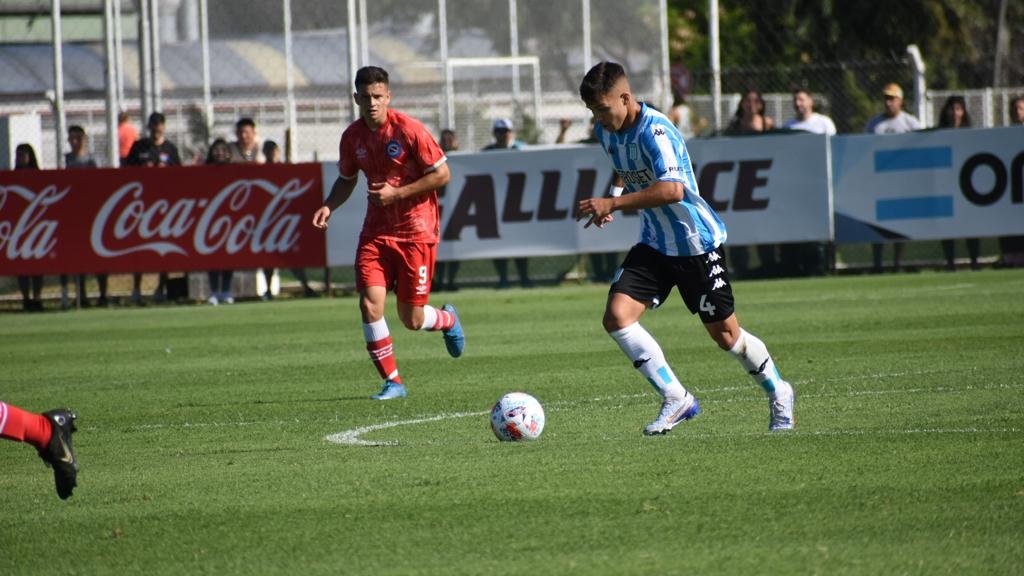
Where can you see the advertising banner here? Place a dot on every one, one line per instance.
(158, 219)
(929, 185)
(521, 202)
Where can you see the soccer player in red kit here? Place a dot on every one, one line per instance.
(50, 433)
(404, 167)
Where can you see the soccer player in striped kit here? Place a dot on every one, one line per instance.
(50, 434)
(679, 247)
(404, 167)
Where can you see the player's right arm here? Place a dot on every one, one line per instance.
(340, 192)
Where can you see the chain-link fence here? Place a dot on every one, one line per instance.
(517, 59)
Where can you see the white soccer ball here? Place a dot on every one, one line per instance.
(516, 417)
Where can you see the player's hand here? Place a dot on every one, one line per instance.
(382, 194)
(598, 210)
(320, 217)
(599, 222)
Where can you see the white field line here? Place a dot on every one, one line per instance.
(352, 437)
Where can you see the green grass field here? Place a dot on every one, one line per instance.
(202, 439)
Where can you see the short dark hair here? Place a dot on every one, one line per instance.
(156, 118)
(802, 90)
(371, 75)
(245, 121)
(76, 129)
(600, 80)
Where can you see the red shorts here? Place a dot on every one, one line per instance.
(407, 268)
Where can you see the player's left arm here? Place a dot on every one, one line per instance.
(660, 149)
(660, 193)
(383, 194)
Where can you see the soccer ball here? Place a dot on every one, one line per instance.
(517, 416)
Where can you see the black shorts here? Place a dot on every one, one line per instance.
(648, 276)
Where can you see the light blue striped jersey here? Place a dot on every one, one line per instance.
(653, 150)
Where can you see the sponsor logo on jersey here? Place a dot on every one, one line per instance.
(394, 149)
(635, 176)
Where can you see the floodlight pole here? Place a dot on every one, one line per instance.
(513, 26)
(353, 57)
(666, 74)
(111, 82)
(119, 54)
(58, 81)
(145, 61)
(154, 15)
(290, 82)
(716, 64)
(449, 84)
(587, 48)
(204, 44)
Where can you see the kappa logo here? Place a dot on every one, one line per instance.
(719, 283)
(714, 257)
(715, 271)
(394, 149)
(659, 132)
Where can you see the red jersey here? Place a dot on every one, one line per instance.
(400, 152)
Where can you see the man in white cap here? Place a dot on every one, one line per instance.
(893, 121)
(505, 139)
(504, 136)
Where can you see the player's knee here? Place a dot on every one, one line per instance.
(412, 323)
(725, 340)
(612, 323)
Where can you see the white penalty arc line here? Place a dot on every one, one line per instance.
(352, 437)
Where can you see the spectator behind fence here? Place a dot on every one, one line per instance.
(954, 115)
(893, 120)
(505, 139)
(1011, 248)
(682, 116)
(445, 271)
(272, 155)
(153, 151)
(79, 157)
(246, 147)
(750, 119)
(220, 280)
(31, 287)
(806, 258)
(127, 134)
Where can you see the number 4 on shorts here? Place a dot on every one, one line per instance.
(705, 306)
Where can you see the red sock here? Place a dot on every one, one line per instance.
(445, 320)
(381, 352)
(17, 424)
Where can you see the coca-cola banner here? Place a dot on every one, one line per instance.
(158, 219)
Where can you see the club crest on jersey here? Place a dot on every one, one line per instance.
(394, 149)
(360, 152)
(633, 151)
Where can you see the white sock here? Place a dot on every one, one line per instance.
(753, 355)
(376, 331)
(647, 357)
(429, 317)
